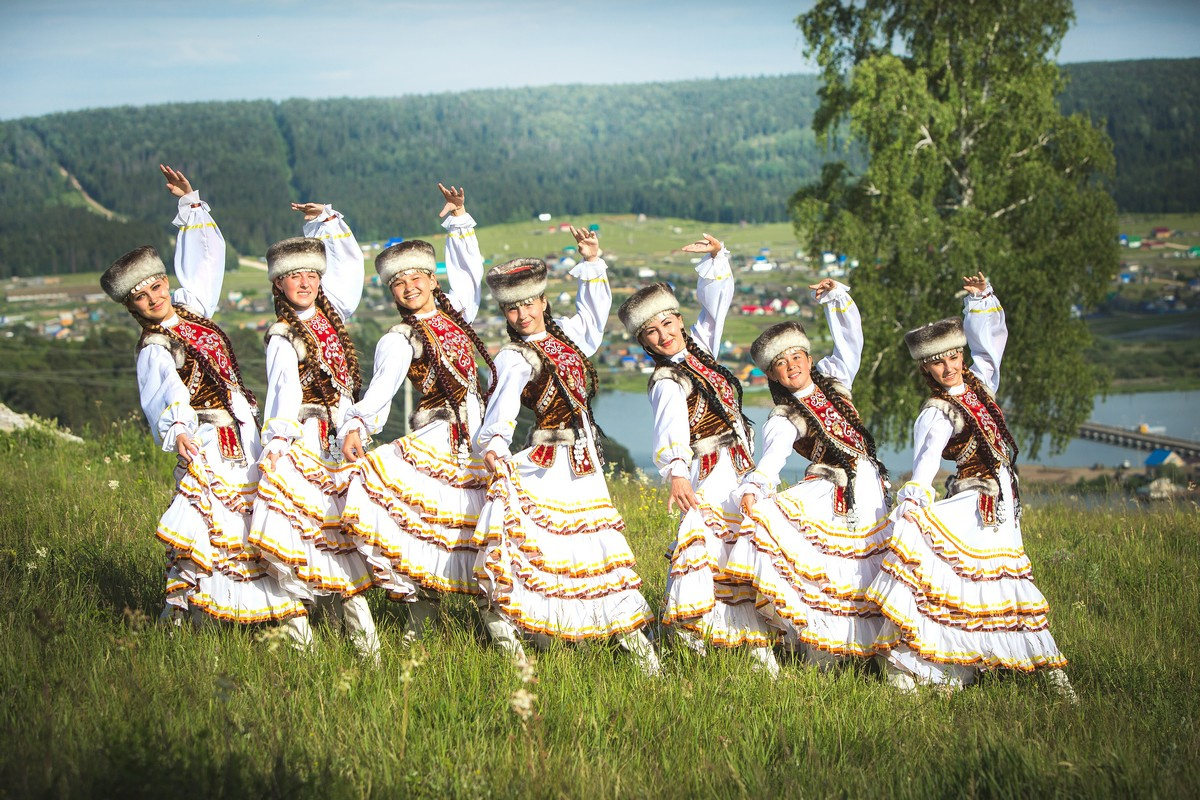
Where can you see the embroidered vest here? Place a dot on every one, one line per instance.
(444, 349)
(976, 432)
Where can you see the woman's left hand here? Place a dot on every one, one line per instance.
(975, 284)
(706, 244)
(588, 243)
(310, 210)
(823, 287)
(682, 495)
(177, 183)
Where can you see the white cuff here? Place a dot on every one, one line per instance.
(590, 270)
(498, 446)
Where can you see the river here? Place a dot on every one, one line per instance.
(626, 416)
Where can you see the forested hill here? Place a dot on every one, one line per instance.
(80, 188)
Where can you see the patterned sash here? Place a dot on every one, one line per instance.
(985, 423)
(331, 353)
(455, 349)
(836, 428)
(211, 347)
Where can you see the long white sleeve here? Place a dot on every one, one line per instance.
(165, 400)
(345, 264)
(464, 265)
(284, 393)
(987, 334)
(778, 436)
(199, 257)
(845, 325)
(931, 432)
(593, 301)
(500, 419)
(393, 355)
(672, 436)
(714, 292)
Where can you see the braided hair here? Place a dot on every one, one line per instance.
(444, 381)
(287, 313)
(784, 397)
(210, 372)
(592, 379)
(706, 358)
(993, 408)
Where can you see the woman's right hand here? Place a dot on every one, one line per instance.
(352, 448)
(910, 510)
(492, 462)
(682, 495)
(186, 448)
(748, 504)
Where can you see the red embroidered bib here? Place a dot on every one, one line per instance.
(454, 346)
(721, 387)
(208, 343)
(331, 353)
(568, 363)
(834, 425)
(989, 430)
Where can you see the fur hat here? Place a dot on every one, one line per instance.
(517, 281)
(298, 254)
(413, 255)
(935, 340)
(646, 305)
(132, 271)
(775, 341)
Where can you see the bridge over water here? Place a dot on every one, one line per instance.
(1138, 440)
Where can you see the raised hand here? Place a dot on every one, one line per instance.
(589, 243)
(310, 210)
(177, 182)
(975, 284)
(456, 199)
(707, 244)
(822, 287)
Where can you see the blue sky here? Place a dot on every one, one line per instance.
(61, 55)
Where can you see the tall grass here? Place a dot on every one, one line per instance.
(99, 701)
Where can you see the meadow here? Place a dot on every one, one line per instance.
(101, 702)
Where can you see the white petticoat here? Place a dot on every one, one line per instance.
(552, 553)
(210, 566)
(297, 524)
(810, 568)
(958, 594)
(703, 596)
(412, 509)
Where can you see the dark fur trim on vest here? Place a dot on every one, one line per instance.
(668, 372)
(793, 416)
(217, 417)
(529, 353)
(829, 472)
(312, 411)
(175, 347)
(989, 487)
(285, 330)
(711, 444)
(550, 436)
(421, 417)
(417, 343)
(952, 412)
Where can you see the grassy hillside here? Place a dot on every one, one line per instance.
(100, 702)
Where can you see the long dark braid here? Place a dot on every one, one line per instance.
(973, 383)
(845, 461)
(590, 376)
(224, 393)
(706, 358)
(286, 312)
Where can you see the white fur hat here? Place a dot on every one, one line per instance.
(298, 254)
(935, 340)
(413, 255)
(131, 271)
(775, 341)
(517, 281)
(646, 305)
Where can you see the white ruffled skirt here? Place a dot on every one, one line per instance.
(210, 565)
(297, 524)
(412, 510)
(552, 557)
(958, 596)
(704, 597)
(811, 568)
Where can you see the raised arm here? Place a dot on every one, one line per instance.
(199, 248)
(986, 329)
(714, 291)
(845, 324)
(593, 297)
(345, 264)
(464, 262)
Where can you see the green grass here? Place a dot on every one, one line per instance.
(98, 702)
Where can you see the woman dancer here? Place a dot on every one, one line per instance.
(415, 502)
(817, 546)
(312, 378)
(196, 404)
(552, 556)
(956, 587)
(701, 447)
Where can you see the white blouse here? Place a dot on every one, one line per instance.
(593, 301)
(779, 434)
(394, 352)
(987, 334)
(343, 285)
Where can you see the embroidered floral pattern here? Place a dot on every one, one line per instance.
(983, 419)
(211, 347)
(332, 354)
(834, 425)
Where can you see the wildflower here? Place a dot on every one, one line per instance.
(107, 460)
(124, 457)
(346, 680)
(113, 484)
(274, 638)
(522, 704)
(41, 552)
